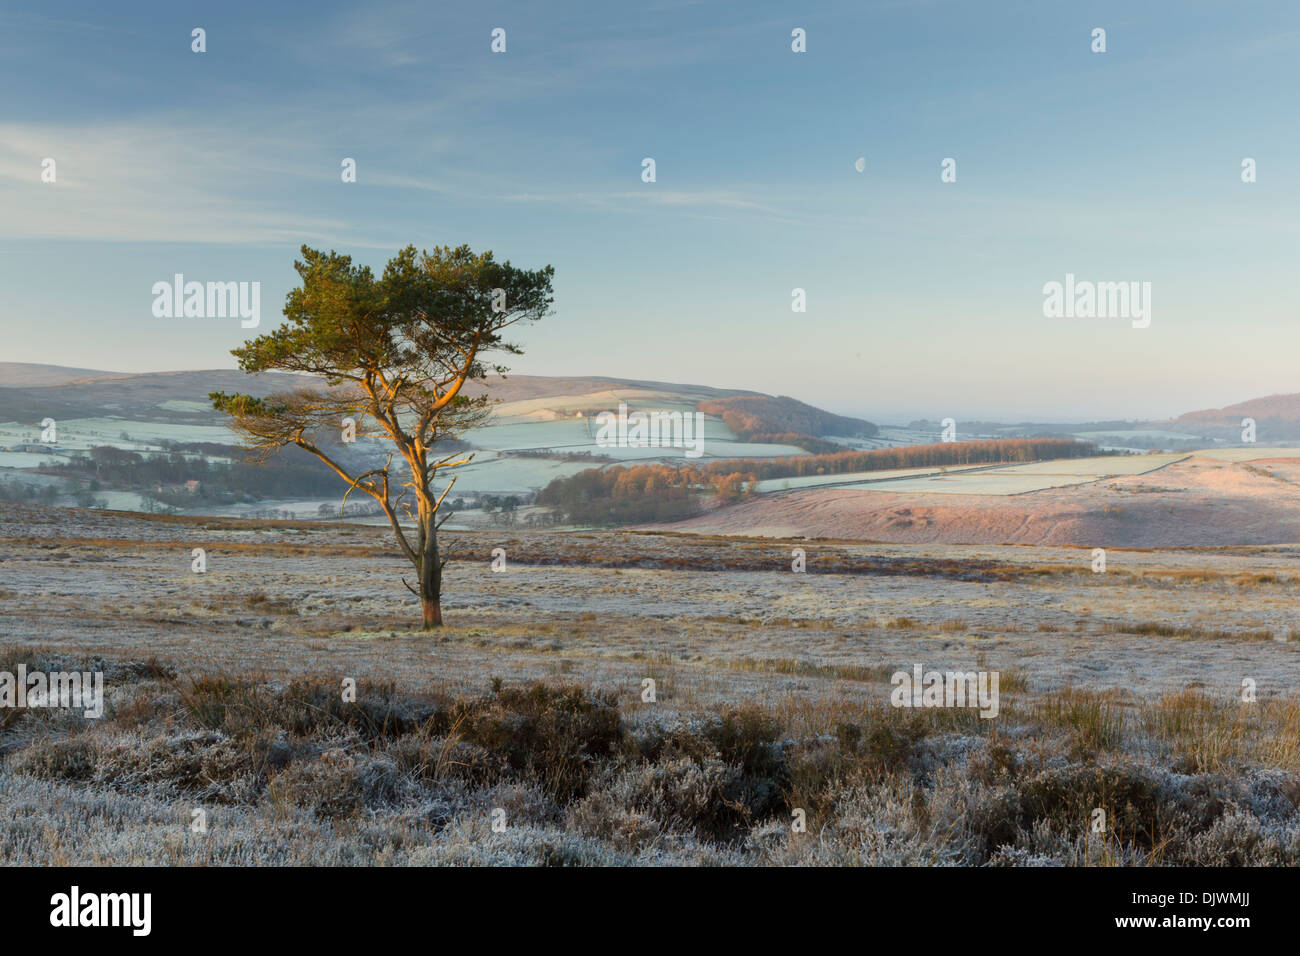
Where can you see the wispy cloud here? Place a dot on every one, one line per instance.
(134, 182)
(652, 196)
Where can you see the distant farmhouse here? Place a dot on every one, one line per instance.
(190, 487)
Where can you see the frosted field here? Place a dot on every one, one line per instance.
(981, 483)
(1095, 467)
(848, 478)
(1136, 435)
(24, 459)
(1009, 479)
(97, 581)
(1249, 453)
(488, 474)
(84, 433)
(1114, 688)
(890, 435)
(566, 434)
(121, 500)
(182, 405)
(740, 449)
(15, 432)
(986, 479)
(25, 477)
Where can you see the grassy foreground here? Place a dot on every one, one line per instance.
(557, 773)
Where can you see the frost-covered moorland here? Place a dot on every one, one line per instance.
(1120, 692)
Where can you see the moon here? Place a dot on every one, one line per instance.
(860, 163)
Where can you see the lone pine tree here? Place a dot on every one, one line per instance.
(393, 355)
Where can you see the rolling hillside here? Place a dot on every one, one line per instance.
(26, 374)
(1277, 417)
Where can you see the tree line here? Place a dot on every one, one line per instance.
(639, 494)
(984, 452)
(635, 494)
(287, 475)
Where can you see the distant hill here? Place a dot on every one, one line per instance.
(763, 414)
(520, 388)
(180, 397)
(25, 374)
(1274, 407)
(1276, 417)
(29, 393)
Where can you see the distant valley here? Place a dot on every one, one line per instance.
(544, 428)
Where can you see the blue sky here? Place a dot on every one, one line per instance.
(924, 298)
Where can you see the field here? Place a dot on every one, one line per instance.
(1011, 479)
(1119, 691)
(1205, 499)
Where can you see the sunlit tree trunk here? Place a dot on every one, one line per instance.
(430, 569)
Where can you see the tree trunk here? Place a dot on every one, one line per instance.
(432, 612)
(431, 574)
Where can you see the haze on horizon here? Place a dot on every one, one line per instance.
(924, 298)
